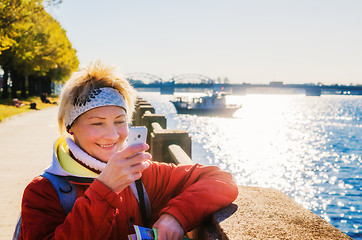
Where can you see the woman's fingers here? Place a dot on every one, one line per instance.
(131, 150)
(168, 228)
(125, 167)
(129, 164)
(140, 167)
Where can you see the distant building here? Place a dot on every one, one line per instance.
(276, 84)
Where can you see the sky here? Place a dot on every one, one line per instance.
(254, 41)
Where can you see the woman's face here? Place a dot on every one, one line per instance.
(101, 131)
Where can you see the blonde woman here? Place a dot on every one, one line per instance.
(95, 110)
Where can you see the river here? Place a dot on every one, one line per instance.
(310, 148)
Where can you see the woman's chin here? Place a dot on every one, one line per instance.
(105, 157)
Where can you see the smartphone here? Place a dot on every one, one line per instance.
(136, 135)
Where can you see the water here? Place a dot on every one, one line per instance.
(307, 147)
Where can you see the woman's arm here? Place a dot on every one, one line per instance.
(92, 214)
(188, 192)
(90, 218)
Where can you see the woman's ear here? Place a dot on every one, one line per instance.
(71, 130)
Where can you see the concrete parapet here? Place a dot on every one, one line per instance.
(148, 118)
(161, 139)
(178, 155)
(156, 126)
(143, 108)
(264, 213)
(140, 101)
(140, 111)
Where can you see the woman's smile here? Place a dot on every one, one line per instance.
(106, 145)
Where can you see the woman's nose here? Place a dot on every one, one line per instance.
(112, 133)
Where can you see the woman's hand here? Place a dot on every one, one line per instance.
(168, 228)
(125, 167)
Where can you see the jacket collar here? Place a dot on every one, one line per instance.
(64, 165)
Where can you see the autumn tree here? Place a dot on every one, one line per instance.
(42, 53)
(39, 51)
(12, 14)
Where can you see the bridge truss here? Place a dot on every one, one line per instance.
(143, 77)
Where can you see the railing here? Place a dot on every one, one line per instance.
(257, 213)
(171, 146)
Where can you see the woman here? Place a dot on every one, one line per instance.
(95, 109)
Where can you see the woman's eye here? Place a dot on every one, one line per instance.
(119, 122)
(96, 124)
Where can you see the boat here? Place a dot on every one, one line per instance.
(213, 104)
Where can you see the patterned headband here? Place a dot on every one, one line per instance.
(98, 97)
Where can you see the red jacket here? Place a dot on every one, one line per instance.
(189, 193)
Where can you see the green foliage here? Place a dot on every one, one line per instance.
(32, 43)
(45, 49)
(12, 14)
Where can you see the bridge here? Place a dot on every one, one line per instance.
(198, 82)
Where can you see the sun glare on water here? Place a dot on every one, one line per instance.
(306, 147)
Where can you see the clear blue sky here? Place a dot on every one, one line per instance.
(254, 41)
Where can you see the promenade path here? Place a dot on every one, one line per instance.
(26, 143)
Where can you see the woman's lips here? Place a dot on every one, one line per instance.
(107, 145)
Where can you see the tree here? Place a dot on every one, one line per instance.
(12, 13)
(39, 49)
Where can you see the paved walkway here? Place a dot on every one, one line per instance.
(25, 150)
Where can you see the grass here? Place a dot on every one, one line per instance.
(7, 108)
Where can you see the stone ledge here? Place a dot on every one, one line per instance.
(264, 213)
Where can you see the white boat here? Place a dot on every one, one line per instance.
(213, 103)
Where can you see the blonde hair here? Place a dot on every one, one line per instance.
(82, 82)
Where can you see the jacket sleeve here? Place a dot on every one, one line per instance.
(188, 192)
(90, 218)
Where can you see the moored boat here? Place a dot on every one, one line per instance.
(213, 104)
